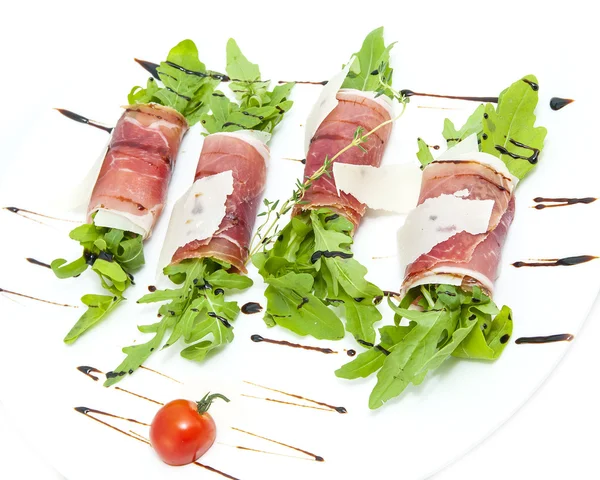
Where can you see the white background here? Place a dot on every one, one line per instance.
(555, 435)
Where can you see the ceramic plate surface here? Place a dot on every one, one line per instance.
(87, 65)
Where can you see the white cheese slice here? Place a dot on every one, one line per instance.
(326, 102)
(197, 214)
(394, 188)
(140, 224)
(436, 220)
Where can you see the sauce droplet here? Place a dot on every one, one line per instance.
(251, 307)
(556, 103)
(563, 337)
(556, 262)
(259, 338)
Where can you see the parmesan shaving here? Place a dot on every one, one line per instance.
(326, 102)
(436, 220)
(197, 214)
(394, 188)
(140, 224)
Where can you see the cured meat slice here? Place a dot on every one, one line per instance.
(137, 168)
(355, 109)
(465, 258)
(245, 156)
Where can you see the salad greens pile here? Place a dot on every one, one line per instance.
(112, 253)
(197, 311)
(450, 320)
(310, 266)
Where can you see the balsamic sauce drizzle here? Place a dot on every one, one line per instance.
(150, 67)
(317, 458)
(88, 411)
(533, 158)
(10, 292)
(251, 307)
(329, 254)
(351, 352)
(534, 86)
(560, 202)
(138, 395)
(88, 371)
(81, 119)
(556, 103)
(161, 374)
(258, 338)
(285, 403)
(562, 337)
(301, 160)
(299, 397)
(410, 93)
(305, 82)
(37, 262)
(21, 212)
(557, 262)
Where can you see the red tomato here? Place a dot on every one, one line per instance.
(182, 430)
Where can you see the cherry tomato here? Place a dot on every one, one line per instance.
(182, 431)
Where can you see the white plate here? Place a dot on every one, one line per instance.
(413, 436)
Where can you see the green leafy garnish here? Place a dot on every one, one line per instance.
(506, 131)
(424, 154)
(371, 64)
(114, 255)
(471, 126)
(187, 85)
(448, 321)
(311, 267)
(196, 313)
(509, 132)
(257, 107)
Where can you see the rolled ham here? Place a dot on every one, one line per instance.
(245, 155)
(135, 174)
(466, 259)
(354, 109)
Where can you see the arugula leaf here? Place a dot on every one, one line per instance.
(509, 132)
(197, 313)
(424, 154)
(114, 255)
(187, 85)
(98, 307)
(472, 125)
(371, 61)
(258, 109)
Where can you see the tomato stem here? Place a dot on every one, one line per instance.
(206, 402)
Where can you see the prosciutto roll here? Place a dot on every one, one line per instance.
(354, 109)
(464, 258)
(246, 157)
(137, 168)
